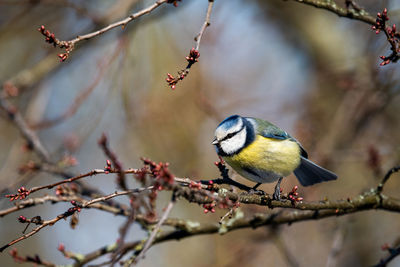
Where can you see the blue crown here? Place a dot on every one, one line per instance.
(230, 121)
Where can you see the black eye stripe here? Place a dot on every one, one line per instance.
(230, 135)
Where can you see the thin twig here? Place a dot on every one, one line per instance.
(34, 202)
(386, 178)
(37, 229)
(73, 179)
(121, 23)
(194, 52)
(205, 24)
(361, 15)
(103, 142)
(36, 259)
(30, 136)
(153, 234)
(337, 246)
(393, 253)
(84, 94)
(71, 211)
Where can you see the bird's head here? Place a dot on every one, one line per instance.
(231, 135)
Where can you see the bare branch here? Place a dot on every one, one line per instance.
(386, 178)
(154, 232)
(205, 24)
(82, 96)
(103, 142)
(393, 253)
(76, 208)
(42, 224)
(29, 135)
(70, 44)
(194, 52)
(186, 229)
(330, 5)
(121, 23)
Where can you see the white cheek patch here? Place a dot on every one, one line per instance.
(235, 143)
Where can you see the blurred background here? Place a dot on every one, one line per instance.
(305, 69)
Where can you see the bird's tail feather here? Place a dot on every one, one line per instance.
(309, 173)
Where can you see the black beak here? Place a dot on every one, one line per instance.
(215, 141)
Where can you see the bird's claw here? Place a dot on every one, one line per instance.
(253, 191)
(276, 195)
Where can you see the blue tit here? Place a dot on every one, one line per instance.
(264, 153)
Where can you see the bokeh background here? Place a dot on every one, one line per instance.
(307, 70)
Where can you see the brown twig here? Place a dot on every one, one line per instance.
(186, 229)
(194, 52)
(30, 136)
(42, 224)
(357, 13)
(121, 23)
(351, 4)
(154, 232)
(103, 142)
(70, 44)
(32, 259)
(77, 207)
(337, 246)
(205, 24)
(386, 178)
(34, 202)
(73, 179)
(331, 6)
(393, 253)
(84, 94)
(32, 75)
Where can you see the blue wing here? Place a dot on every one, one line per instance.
(271, 133)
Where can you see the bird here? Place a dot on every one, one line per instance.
(263, 153)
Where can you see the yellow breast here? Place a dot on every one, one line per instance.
(268, 155)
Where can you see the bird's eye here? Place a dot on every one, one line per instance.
(230, 135)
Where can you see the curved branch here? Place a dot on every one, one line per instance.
(386, 178)
(393, 253)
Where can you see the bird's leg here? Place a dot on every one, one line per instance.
(229, 181)
(257, 185)
(277, 192)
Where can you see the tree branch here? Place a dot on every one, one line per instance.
(330, 5)
(393, 253)
(30, 136)
(154, 232)
(194, 52)
(71, 211)
(386, 178)
(205, 24)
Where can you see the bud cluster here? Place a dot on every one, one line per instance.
(191, 59)
(51, 39)
(293, 195)
(22, 193)
(392, 36)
